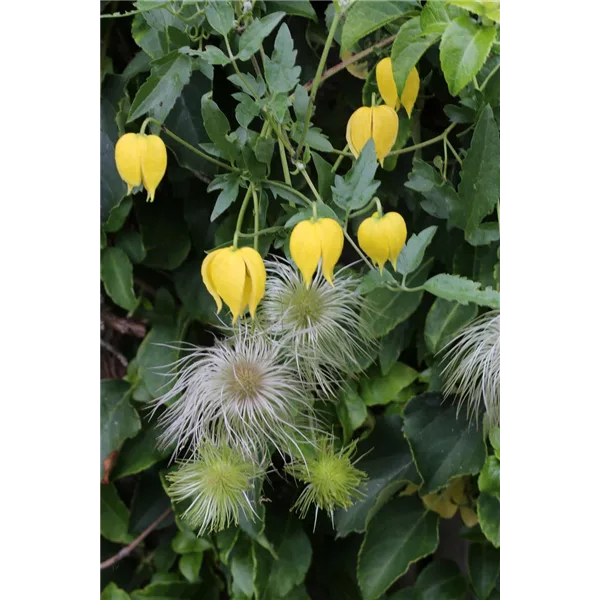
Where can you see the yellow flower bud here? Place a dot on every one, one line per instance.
(469, 516)
(382, 237)
(141, 159)
(441, 504)
(377, 122)
(235, 276)
(389, 91)
(313, 240)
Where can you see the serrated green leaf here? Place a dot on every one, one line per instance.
(160, 91)
(438, 193)
(443, 443)
(255, 33)
(488, 511)
(114, 516)
(367, 16)
(151, 41)
(117, 276)
(484, 569)
(436, 16)
(411, 256)
(459, 289)
(229, 185)
(118, 419)
(383, 389)
(489, 478)
(357, 187)
(280, 72)
(410, 44)
(484, 234)
(401, 533)
(246, 110)
(113, 592)
(463, 50)
(219, 15)
(214, 56)
(443, 320)
(441, 580)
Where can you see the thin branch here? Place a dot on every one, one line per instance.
(120, 357)
(138, 540)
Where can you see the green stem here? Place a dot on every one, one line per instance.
(317, 81)
(458, 158)
(492, 73)
(189, 146)
(145, 124)
(341, 153)
(362, 211)
(339, 160)
(290, 189)
(311, 185)
(240, 218)
(445, 158)
(133, 12)
(256, 215)
(360, 252)
(437, 138)
(284, 163)
(262, 232)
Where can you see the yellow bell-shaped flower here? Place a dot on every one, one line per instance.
(141, 159)
(315, 239)
(382, 237)
(388, 90)
(236, 276)
(377, 122)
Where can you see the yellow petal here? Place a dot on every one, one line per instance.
(128, 158)
(469, 516)
(409, 490)
(373, 239)
(358, 131)
(207, 277)
(228, 272)
(411, 91)
(331, 235)
(154, 163)
(305, 248)
(395, 227)
(440, 504)
(386, 83)
(385, 130)
(255, 270)
(456, 491)
(358, 69)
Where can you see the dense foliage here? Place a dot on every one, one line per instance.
(252, 100)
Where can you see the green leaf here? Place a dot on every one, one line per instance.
(484, 234)
(367, 16)
(495, 441)
(375, 279)
(411, 256)
(453, 287)
(150, 501)
(230, 186)
(214, 56)
(219, 15)
(114, 516)
(196, 300)
(385, 309)
(436, 16)
(393, 344)
(217, 126)
(112, 187)
(483, 8)
(131, 243)
(439, 194)
(479, 189)
(162, 88)
(168, 590)
(443, 320)
(118, 215)
(463, 50)
(401, 533)
(151, 41)
(158, 18)
(301, 8)
(351, 410)
(139, 453)
(255, 33)
(356, 188)
(246, 110)
(187, 542)
(410, 44)
(441, 580)
(489, 478)
(484, 569)
(324, 176)
(113, 592)
(189, 565)
(383, 389)
(243, 567)
(443, 444)
(117, 276)
(280, 72)
(388, 463)
(118, 419)
(488, 511)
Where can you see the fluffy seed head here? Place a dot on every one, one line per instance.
(320, 326)
(214, 487)
(472, 369)
(243, 391)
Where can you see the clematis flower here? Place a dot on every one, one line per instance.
(377, 122)
(388, 90)
(382, 237)
(313, 240)
(141, 159)
(237, 277)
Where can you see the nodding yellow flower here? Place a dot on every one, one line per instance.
(377, 122)
(141, 159)
(388, 90)
(314, 239)
(382, 237)
(237, 276)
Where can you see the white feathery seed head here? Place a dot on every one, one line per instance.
(243, 392)
(472, 367)
(321, 327)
